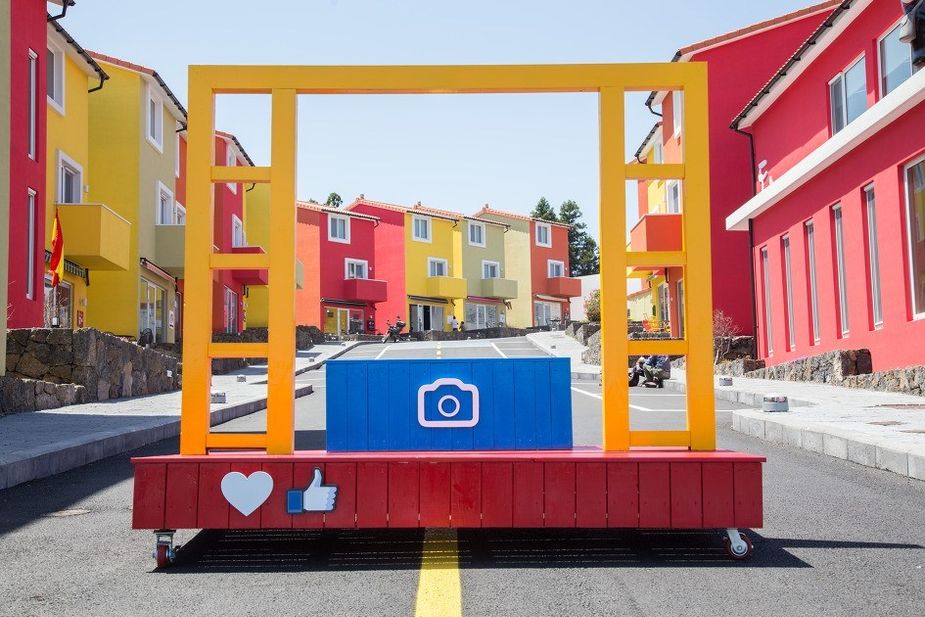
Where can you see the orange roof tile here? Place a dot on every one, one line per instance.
(520, 217)
(307, 205)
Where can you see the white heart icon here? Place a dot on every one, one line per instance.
(247, 493)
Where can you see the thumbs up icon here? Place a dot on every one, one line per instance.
(316, 498)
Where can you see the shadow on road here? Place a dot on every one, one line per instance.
(352, 550)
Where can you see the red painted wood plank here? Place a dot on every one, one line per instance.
(497, 494)
(623, 495)
(465, 495)
(372, 505)
(236, 520)
(591, 495)
(435, 494)
(528, 495)
(213, 507)
(149, 495)
(654, 495)
(559, 494)
(273, 514)
(182, 496)
(718, 504)
(404, 494)
(686, 496)
(302, 475)
(748, 495)
(344, 477)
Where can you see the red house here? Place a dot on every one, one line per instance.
(739, 62)
(838, 223)
(23, 161)
(550, 280)
(341, 291)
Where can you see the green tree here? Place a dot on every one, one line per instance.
(334, 200)
(583, 254)
(544, 211)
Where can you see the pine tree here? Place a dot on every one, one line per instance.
(543, 211)
(334, 200)
(582, 249)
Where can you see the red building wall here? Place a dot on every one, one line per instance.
(332, 254)
(308, 299)
(390, 262)
(539, 266)
(227, 204)
(27, 32)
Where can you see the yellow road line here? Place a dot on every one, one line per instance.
(439, 588)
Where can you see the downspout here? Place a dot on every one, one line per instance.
(100, 86)
(751, 232)
(64, 6)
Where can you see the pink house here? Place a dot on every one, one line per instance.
(838, 222)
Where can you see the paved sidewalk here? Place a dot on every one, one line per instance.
(38, 444)
(558, 343)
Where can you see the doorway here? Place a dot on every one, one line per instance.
(424, 317)
(342, 321)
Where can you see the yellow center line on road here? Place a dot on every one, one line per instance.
(439, 587)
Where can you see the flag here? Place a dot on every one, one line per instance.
(56, 263)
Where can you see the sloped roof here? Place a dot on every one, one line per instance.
(230, 137)
(80, 51)
(151, 73)
(519, 217)
(307, 205)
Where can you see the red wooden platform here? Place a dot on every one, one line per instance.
(584, 487)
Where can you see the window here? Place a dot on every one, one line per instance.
(176, 157)
(33, 101)
(231, 160)
(339, 228)
(54, 76)
(476, 234)
(237, 232)
(677, 111)
(152, 310)
(543, 234)
(658, 154)
(155, 128)
(873, 256)
(491, 270)
(673, 196)
(811, 278)
(681, 309)
(848, 95)
(437, 267)
(58, 300)
(231, 311)
(915, 221)
(768, 317)
(356, 269)
(181, 214)
(420, 228)
(165, 214)
(31, 245)
(895, 61)
(788, 292)
(70, 180)
(840, 269)
(556, 268)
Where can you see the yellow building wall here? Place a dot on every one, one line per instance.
(517, 267)
(257, 227)
(445, 244)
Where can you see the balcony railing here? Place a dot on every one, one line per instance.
(447, 287)
(564, 287)
(365, 290)
(95, 237)
(505, 289)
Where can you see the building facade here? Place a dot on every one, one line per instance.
(839, 218)
(484, 266)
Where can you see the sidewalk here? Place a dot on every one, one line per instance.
(558, 343)
(39, 444)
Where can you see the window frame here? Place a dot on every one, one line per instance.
(428, 221)
(881, 76)
(920, 314)
(548, 227)
(177, 208)
(677, 112)
(786, 253)
(33, 121)
(348, 261)
(470, 225)
(765, 259)
(490, 262)
(176, 157)
(161, 189)
(844, 93)
(433, 260)
(346, 221)
(57, 67)
(658, 148)
(64, 161)
(809, 234)
(152, 97)
(841, 268)
(231, 301)
(549, 265)
(231, 160)
(31, 241)
(869, 202)
(237, 223)
(668, 186)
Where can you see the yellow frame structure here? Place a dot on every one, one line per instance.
(284, 83)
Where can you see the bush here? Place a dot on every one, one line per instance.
(593, 306)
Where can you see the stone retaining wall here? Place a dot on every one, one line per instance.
(306, 337)
(50, 367)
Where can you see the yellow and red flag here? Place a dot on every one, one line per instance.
(56, 263)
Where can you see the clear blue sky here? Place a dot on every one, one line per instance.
(454, 152)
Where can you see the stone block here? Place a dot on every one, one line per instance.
(892, 460)
(60, 337)
(812, 441)
(792, 436)
(46, 401)
(31, 366)
(916, 463)
(39, 335)
(754, 427)
(862, 453)
(84, 344)
(835, 446)
(774, 432)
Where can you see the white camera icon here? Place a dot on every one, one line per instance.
(448, 405)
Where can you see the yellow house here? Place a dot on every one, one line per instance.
(134, 124)
(517, 263)
(95, 237)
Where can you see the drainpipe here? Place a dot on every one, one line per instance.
(751, 232)
(64, 6)
(100, 86)
(649, 105)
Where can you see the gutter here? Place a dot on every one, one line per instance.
(64, 6)
(103, 76)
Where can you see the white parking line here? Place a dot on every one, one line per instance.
(382, 353)
(636, 407)
(498, 349)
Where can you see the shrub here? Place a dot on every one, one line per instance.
(593, 306)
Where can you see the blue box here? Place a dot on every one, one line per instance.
(465, 404)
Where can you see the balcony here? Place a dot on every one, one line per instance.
(365, 290)
(95, 236)
(656, 232)
(169, 248)
(447, 287)
(564, 287)
(249, 277)
(505, 289)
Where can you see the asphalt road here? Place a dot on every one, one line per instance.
(840, 539)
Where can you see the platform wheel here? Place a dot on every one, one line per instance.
(739, 550)
(163, 555)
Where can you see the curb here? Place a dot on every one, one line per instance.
(727, 393)
(79, 452)
(585, 376)
(320, 363)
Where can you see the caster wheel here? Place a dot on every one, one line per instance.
(163, 555)
(739, 552)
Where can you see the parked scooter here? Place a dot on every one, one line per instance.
(393, 331)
